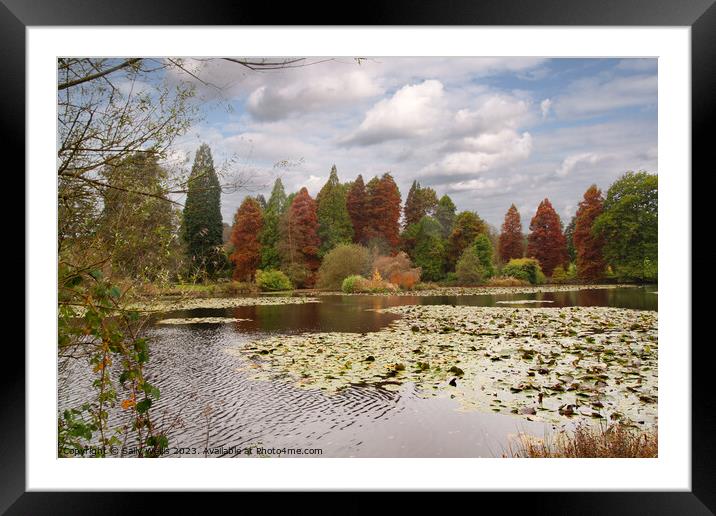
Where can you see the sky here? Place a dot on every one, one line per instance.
(488, 132)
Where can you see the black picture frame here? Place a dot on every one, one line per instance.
(700, 15)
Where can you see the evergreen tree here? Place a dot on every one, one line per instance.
(569, 236)
(262, 201)
(511, 239)
(428, 253)
(334, 222)
(484, 250)
(269, 236)
(248, 222)
(629, 225)
(466, 227)
(419, 203)
(445, 214)
(590, 261)
(202, 222)
(546, 241)
(357, 205)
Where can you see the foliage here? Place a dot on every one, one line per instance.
(629, 226)
(350, 284)
(92, 326)
(469, 269)
(248, 222)
(202, 223)
(334, 222)
(406, 280)
(588, 246)
(467, 226)
(546, 240)
(569, 237)
(138, 229)
(511, 238)
(270, 234)
(389, 265)
(299, 245)
(383, 211)
(419, 203)
(445, 214)
(525, 269)
(428, 251)
(356, 203)
(359, 284)
(272, 281)
(506, 281)
(342, 261)
(483, 248)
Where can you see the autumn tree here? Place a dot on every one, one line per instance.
(202, 222)
(466, 227)
(356, 205)
(269, 236)
(419, 203)
(334, 221)
(588, 246)
(629, 225)
(511, 239)
(248, 222)
(546, 241)
(299, 245)
(445, 214)
(383, 211)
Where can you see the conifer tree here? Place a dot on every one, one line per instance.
(300, 243)
(546, 241)
(445, 214)
(202, 222)
(383, 211)
(483, 248)
(511, 243)
(269, 236)
(419, 203)
(248, 222)
(356, 205)
(334, 222)
(466, 227)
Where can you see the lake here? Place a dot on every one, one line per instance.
(209, 400)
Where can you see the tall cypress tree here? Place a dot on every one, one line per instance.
(445, 214)
(334, 222)
(511, 243)
(356, 204)
(419, 203)
(270, 234)
(202, 226)
(546, 239)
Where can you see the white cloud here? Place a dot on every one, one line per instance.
(571, 162)
(597, 96)
(411, 111)
(545, 106)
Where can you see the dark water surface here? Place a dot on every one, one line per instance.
(210, 400)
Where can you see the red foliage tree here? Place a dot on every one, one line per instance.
(511, 244)
(356, 204)
(590, 261)
(248, 222)
(383, 211)
(300, 235)
(546, 242)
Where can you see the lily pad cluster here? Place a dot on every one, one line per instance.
(201, 320)
(557, 365)
(221, 302)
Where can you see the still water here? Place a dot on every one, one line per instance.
(208, 401)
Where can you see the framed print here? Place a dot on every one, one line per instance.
(418, 252)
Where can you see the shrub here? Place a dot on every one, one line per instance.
(389, 265)
(376, 284)
(342, 261)
(407, 279)
(426, 285)
(506, 281)
(469, 269)
(272, 281)
(526, 269)
(299, 275)
(560, 275)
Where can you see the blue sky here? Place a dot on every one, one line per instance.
(487, 131)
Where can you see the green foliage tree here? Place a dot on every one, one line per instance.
(445, 214)
(466, 227)
(270, 234)
(202, 225)
(334, 222)
(483, 248)
(629, 226)
(139, 230)
(569, 236)
(526, 269)
(419, 203)
(342, 261)
(428, 253)
(469, 268)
